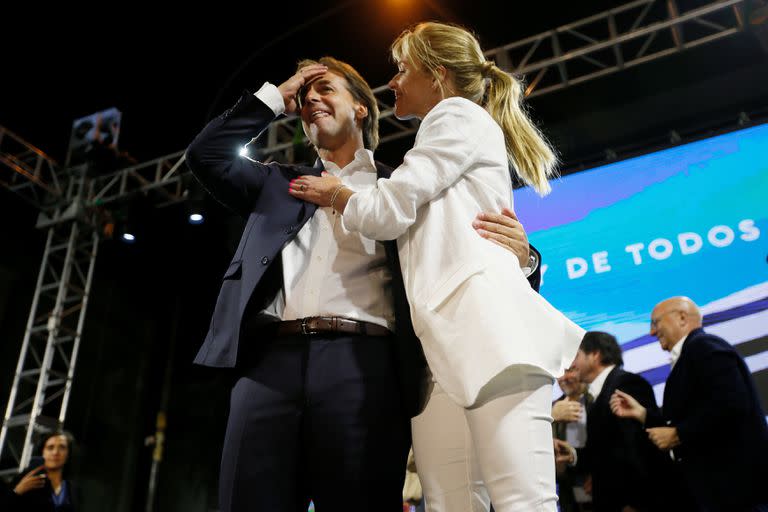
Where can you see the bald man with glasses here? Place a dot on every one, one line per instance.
(711, 421)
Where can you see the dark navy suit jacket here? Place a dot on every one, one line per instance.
(618, 454)
(711, 399)
(259, 192)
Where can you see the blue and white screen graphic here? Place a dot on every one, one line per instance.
(691, 220)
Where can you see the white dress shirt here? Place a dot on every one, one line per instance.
(674, 354)
(327, 269)
(576, 431)
(596, 386)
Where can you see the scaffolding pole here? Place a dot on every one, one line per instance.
(42, 383)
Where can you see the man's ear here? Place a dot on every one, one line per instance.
(361, 111)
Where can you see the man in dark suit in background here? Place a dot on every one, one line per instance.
(306, 310)
(618, 454)
(570, 425)
(711, 422)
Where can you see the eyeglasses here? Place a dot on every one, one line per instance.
(655, 321)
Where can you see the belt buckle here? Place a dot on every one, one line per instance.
(305, 330)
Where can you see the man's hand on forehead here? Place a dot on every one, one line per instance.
(293, 89)
(304, 89)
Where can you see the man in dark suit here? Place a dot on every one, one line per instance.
(570, 425)
(711, 422)
(617, 453)
(307, 310)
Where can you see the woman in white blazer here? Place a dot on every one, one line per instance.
(493, 344)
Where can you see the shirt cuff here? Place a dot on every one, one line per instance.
(271, 97)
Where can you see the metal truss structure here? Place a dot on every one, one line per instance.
(43, 380)
(161, 177)
(617, 39)
(28, 172)
(69, 199)
(627, 36)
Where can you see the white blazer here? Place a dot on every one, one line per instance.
(472, 308)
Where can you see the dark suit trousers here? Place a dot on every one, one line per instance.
(316, 417)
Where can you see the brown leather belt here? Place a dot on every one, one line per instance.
(327, 324)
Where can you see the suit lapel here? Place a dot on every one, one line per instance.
(307, 210)
(318, 168)
(599, 411)
(671, 378)
(674, 374)
(608, 386)
(390, 246)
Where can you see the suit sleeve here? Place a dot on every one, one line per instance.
(214, 159)
(635, 445)
(447, 140)
(583, 460)
(654, 418)
(722, 382)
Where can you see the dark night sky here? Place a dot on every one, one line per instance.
(164, 71)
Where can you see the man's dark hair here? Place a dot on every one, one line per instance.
(360, 91)
(606, 344)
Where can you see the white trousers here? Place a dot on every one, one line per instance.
(499, 451)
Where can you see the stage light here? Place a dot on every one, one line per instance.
(129, 219)
(244, 151)
(128, 229)
(195, 204)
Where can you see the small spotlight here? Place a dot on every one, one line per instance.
(196, 218)
(129, 238)
(244, 151)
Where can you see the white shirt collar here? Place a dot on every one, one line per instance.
(596, 386)
(674, 353)
(363, 161)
